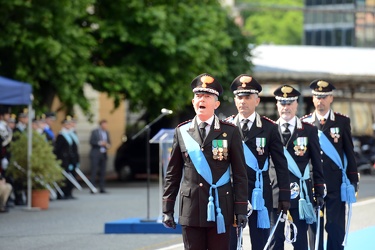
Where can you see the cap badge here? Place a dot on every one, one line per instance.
(244, 80)
(286, 90)
(322, 84)
(206, 80)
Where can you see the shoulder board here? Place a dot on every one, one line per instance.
(268, 119)
(182, 123)
(229, 118)
(336, 113)
(307, 123)
(227, 123)
(305, 116)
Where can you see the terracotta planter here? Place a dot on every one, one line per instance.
(40, 198)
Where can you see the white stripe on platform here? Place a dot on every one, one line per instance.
(173, 247)
(365, 202)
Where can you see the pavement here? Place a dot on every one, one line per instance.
(79, 223)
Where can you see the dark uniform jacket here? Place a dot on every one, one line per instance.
(194, 190)
(64, 151)
(344, 144)
(266, 128)
(311, 155)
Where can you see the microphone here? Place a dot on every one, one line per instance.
(166, 111)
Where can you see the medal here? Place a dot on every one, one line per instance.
(335, 134)
(225, 149)
(300, 146)
(260, 143)
(294, 190)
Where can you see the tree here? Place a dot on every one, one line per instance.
(43, 43)
(273, 21)
(149, 51)
(146, 51)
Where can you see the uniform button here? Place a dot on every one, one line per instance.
(227, 192)
(201, 184)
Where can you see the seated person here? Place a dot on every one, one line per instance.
(5, 190)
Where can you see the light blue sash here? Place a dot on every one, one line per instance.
(305, 207)
(347, 189)
(204, 170)
(257, 200)
(67, 137)
(74, 137)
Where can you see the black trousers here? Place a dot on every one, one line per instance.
(258, 236)
(205, 238)
(277, 241)
(334, 212)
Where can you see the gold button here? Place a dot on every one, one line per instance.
(201, 184)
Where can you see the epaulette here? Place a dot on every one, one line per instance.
(336, 113)
(268, 119)
(306, 123)
(227, 123)
(229, 118)
(182, 123)
(305, 116)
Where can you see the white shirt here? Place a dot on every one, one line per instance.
(209, 122)
(251, 119)
(291, 127)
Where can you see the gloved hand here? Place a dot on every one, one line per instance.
(355, 185)
(70, 167)
(168, 221)
(283, 206)
(319, 201)
(241, 219)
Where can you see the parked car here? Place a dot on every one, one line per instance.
(364, 149)
(131, 158)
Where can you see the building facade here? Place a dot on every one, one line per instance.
(339, 23)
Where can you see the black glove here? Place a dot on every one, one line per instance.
(355, 185)
(168, 221)
(241, 220)
(319, 201)
(283, 206)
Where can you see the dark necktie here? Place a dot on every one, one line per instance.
(202, 129)
(245, 126)
(286, 133)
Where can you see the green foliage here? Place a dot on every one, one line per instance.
(44, 164)
(150, 51)
(145, 51)
(274, 21)
(45, 44)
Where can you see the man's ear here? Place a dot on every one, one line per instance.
(217, 104)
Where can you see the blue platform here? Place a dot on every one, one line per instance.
(138, 226)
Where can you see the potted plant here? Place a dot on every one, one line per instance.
(45, 168)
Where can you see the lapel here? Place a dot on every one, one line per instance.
(298, 127)
(298, 132)
(194, 131)
(256, 128)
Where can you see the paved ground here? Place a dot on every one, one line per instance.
(79, 223)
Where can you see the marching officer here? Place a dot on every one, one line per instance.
(339, 165)
(301, 147)
(23, 119)
(205, 152)
(64, 150)
(261, 142)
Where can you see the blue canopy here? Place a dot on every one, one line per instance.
(14, 93)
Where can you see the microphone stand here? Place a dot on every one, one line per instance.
(147, 129)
